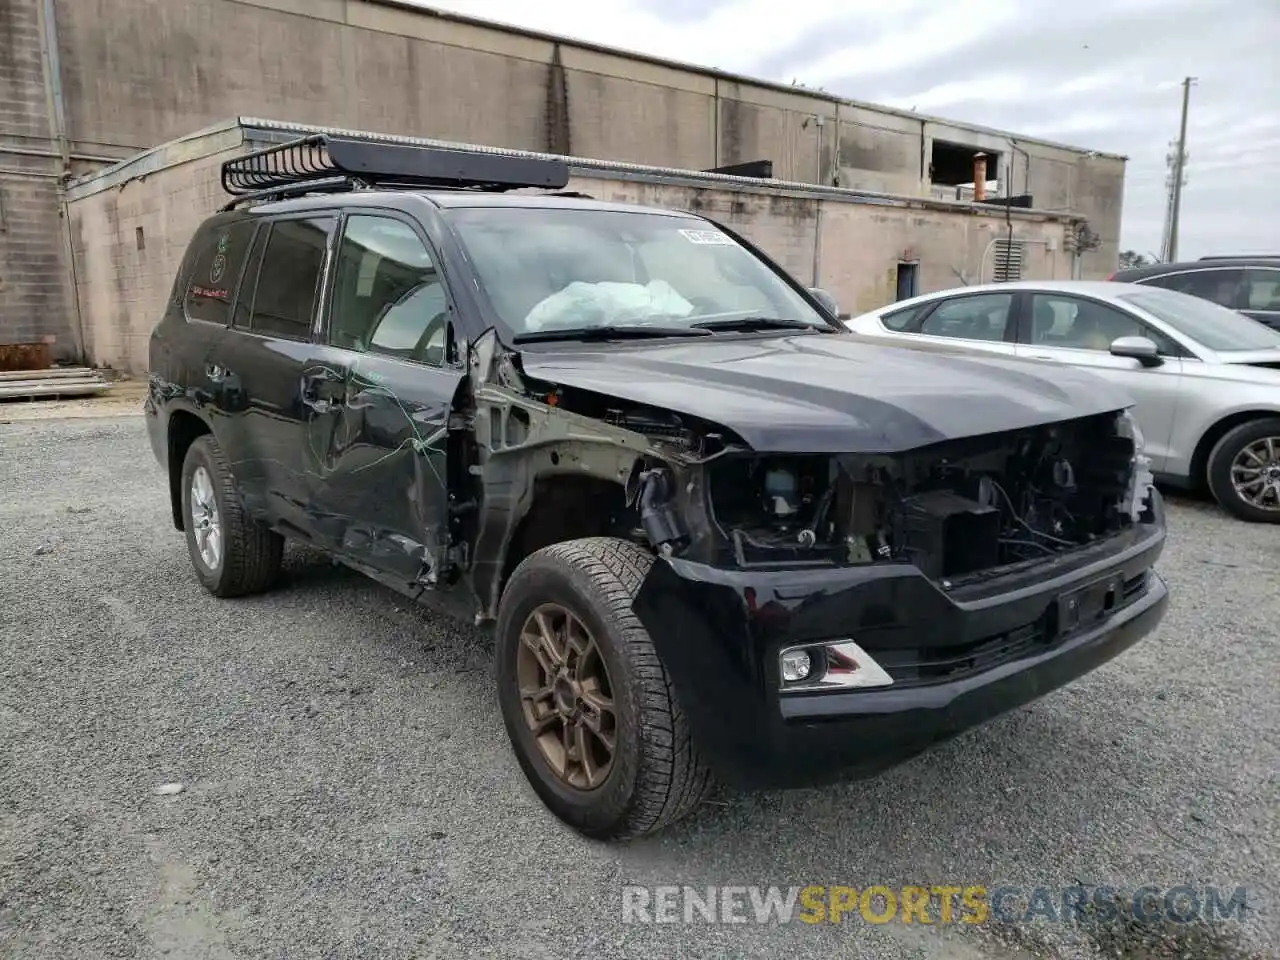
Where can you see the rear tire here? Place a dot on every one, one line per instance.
(232, 553)
(1232, 448)
(584, 590)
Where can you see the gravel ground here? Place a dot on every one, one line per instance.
(349, 792)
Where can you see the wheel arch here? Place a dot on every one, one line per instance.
(183, 429)
(563, 507)
(1198, 478)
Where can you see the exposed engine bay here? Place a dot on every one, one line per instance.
(557, 462)
(952, 510)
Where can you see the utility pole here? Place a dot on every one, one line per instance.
(1179, 160)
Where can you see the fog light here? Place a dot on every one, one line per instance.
(796, 665)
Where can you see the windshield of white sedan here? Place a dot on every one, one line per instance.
(1215, 327)
(547, 270)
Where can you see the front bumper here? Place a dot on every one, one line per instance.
(1001, 644)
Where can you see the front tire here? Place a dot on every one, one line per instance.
(1244, 471)
(232, 553)
(586, 700)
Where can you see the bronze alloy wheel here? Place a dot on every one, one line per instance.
(566, 697)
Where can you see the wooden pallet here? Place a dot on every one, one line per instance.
(52, 383)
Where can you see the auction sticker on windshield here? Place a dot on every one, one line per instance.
(708, 236)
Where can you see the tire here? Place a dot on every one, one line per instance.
(249, 557)
(1224, 453)
(655, 776)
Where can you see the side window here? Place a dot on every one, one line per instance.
(388, 297)
(1220, 286)
(214, 270)
(1064, 321)
(981, 317)
(249, 283)
(1261, 290)
(284, 302)
(901, 320)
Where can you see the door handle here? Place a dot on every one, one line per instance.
(311, 389)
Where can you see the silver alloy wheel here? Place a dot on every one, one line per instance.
(205, 521)
(1255, 474)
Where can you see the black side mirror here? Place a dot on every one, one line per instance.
(1142, 349)
(828, 302)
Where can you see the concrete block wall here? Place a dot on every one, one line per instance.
(862, 246)
(35, 300)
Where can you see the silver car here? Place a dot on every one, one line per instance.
(1205, 379)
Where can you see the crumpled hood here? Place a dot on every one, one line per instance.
(811, 393)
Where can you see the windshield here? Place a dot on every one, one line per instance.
(1217, 328)
(545, 270)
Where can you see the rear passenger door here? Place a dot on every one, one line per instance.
(377, 452)
(258, 367)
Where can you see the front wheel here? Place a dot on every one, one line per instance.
(1244, 471)
(587, 703)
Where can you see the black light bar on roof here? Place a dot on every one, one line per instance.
(330, 162)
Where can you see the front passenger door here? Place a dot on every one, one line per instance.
(1079, 331)
(378, 445)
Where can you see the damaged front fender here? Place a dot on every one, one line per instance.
(523, 440)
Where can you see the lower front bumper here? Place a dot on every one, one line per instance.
(850, 735)
(719, 633)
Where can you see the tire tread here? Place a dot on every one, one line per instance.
(672, 779)
(252, 552)
(1218, 467)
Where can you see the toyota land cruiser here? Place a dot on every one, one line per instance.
(715, 535)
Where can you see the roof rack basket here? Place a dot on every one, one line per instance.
(320, 162)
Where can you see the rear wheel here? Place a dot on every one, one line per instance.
(232, 553)
(587, 703)
(1244, 471)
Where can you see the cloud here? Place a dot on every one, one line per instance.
(1105, 76)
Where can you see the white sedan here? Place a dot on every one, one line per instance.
(1205, 379)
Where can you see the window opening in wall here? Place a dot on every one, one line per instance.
(953, 165)
(908, 279)
(139, 238)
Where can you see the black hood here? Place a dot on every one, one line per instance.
(814, 393)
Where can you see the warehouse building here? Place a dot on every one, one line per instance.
(112, 85)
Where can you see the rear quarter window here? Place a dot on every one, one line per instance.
(902, 319)
(216, 259)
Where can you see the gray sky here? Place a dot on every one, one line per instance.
(1099, 74)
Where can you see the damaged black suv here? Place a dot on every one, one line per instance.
(716, 536)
